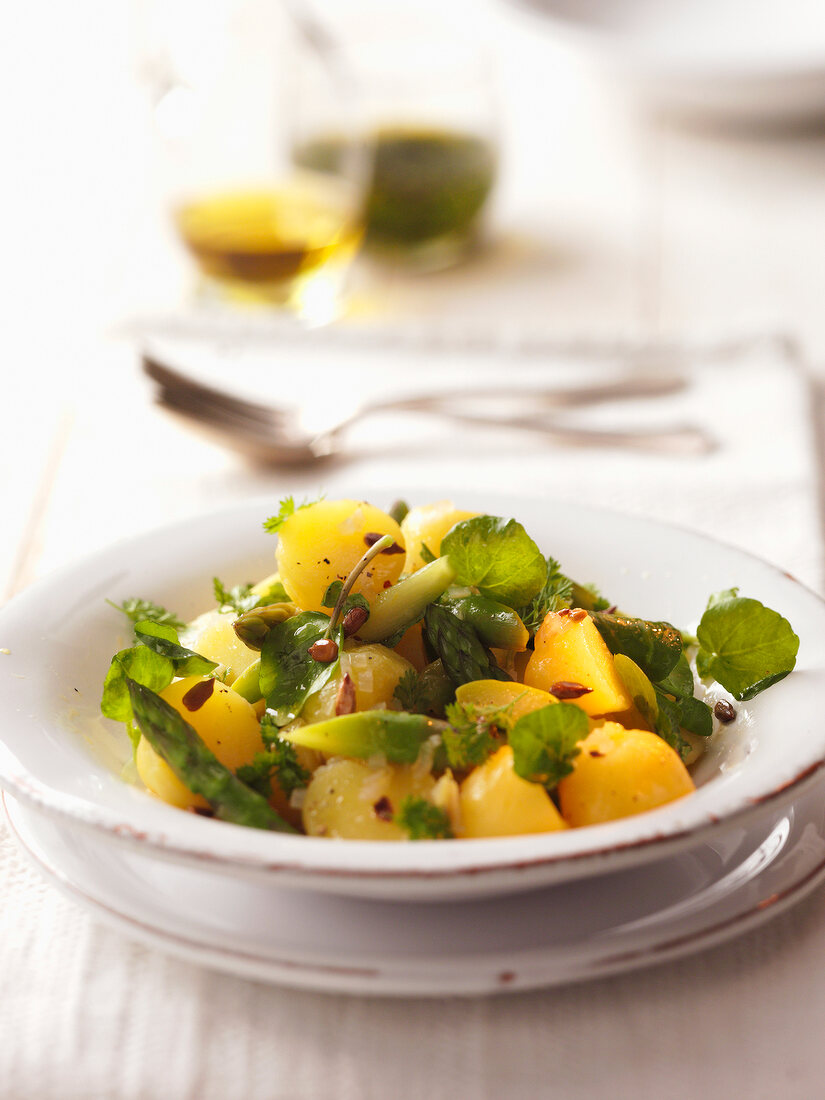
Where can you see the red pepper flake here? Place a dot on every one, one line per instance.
(197, 695)
(372, 537)
(578, 615)
(388, 584)
(324, 650)
(596, 754)
(383, 808)
(345, 699)
(354, 620)
(724, 711)
(569, 689)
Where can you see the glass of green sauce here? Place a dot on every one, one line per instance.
(429, 119)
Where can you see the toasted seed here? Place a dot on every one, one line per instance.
(569, 689)
(324, 650)
(345, 699)
(354, 620)
(724, 711)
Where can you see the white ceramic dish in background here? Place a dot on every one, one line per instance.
(741, 60)
(565, 933)
(59, 755)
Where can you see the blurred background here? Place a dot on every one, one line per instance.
(234, 187)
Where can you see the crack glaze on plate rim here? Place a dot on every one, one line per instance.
(765, 873)
(48, 764)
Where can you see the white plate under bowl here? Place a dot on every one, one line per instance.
(739, 60)
(58, 754)
(560, 934)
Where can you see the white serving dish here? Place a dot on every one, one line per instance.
(566, 933)
(57, 754)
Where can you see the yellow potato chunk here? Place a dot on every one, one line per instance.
(503, 693)
(213, 636)
(411, 647)
(619, 773)
(497, 802)
(322, 543)
(375, 672)
(427, 525)
(223, 720)
(353, 799)
(569, 648)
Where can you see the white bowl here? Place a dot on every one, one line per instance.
(58, 753)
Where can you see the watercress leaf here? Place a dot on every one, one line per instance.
(330, 597)
(744, 645)
(545, 742)
(138, 663)
(423, 820)
(287, 508)
(289, 673)
(354, 599)
(136, 610)
(163, 639)
(497, 557)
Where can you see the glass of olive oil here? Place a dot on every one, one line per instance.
(260, 229)
(429, 117)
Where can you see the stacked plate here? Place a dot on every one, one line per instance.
(429, 917)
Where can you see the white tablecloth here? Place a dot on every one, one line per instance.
(84, 1013)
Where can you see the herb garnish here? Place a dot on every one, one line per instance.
(423, 820)
(138, 610)
(278, 761)
(545, 742)
(497, 557)
(287, 508)
(474, 732)
(555, 593)
(239, 599)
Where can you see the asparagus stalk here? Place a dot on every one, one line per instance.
(172, 737)
(404, 603)
(393, 734)
(457, 643)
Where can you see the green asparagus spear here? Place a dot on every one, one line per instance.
(172, 737)
(463, 655)
(655, 647)
(496, 624)
(253, 626)
(393, 734)
(403, 604)
(248, 683)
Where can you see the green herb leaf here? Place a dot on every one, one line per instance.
(428, 692)
(163, 639)
(177, 742)
(669, 724)
(744, 645)
(396, 735)
(140, 664)
(555, 593)
(289, 673)
(239, 599)
(423, 820)
(497, 557)
(545, 742)
(279, 761)
(287, 508)
(679, 681)
(138, 610)
(655, 647)
(588, 597)
(474, 732)
(354, 599)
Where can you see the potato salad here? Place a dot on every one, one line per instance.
(427, 673)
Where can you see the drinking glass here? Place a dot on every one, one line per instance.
(428, 113)
(260, 229)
